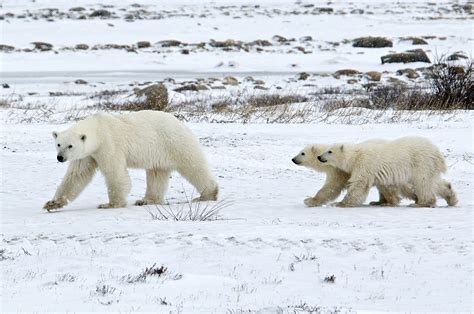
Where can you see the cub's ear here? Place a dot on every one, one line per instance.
(83, 137)
(55, 134)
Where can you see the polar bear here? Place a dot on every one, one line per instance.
(411, 163)
(151, 140)
(337, 180)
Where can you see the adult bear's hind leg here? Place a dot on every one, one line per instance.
(156, 186)
(202, 180)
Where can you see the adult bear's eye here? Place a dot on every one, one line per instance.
(70, 146)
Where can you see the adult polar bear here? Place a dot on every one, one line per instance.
(151, 140)
(408, 161)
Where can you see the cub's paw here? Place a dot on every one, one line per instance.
(111, 205)
(416, 205)
(311, 202)
(342, 204)
(143, 202)
(54, 204)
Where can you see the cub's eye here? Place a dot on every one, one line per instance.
(70, 146)
(302, 154)
(59, 145)
(330, 152)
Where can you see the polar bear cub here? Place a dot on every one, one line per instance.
(151, 140)
(408, 161)
(336, 179)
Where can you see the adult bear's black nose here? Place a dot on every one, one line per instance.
(60, 158)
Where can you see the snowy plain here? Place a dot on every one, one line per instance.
(266, 252)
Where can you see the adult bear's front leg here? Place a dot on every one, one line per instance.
(118, 185)
(79, 174)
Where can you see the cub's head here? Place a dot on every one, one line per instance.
(308, 157)
(334, 156)
(70, 145)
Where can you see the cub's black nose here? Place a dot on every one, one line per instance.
(60, 158)
(295, 161)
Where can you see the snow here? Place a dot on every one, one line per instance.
(267, 250)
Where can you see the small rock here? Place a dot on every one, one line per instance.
(101, 13)
(42, 46)
(372, 42)
(410, 73)
(345, 72)
(306, 39)
(169, 43)
(260, 42)
(156, 96)
(82, 47)
(6, 48)
(77, 9)
(81, 82)
(415, 40)
(143, 44)
(457, 56)
(191, 87)
(279, 39)
(303, 76)
(230, 80)
(417, 55)
(374, 76)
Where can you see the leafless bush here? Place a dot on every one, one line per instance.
(188, 211)
(330, 279)
(103, 290)
(452, 85)
(153, 271)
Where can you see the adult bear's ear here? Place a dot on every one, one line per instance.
(55, 134)
(83, 137)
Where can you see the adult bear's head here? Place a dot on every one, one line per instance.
(72, 145)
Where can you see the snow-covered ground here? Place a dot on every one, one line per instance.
(267, 252)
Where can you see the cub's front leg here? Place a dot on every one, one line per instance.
(336, 181)
(357, 191)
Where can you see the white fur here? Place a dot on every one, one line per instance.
(336, 179)
(412, 165)
(151, 140)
